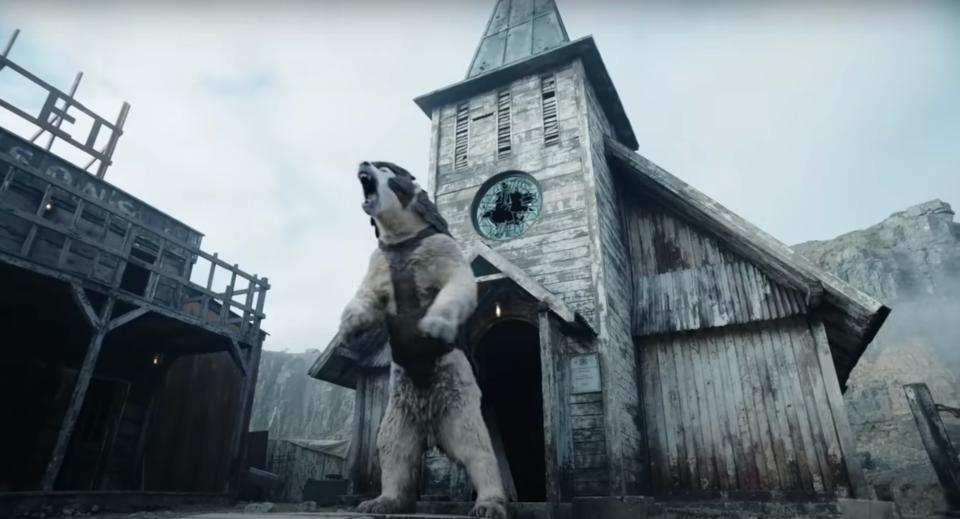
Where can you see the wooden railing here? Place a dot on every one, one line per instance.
(46, 225)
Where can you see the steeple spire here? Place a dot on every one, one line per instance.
(518, 30)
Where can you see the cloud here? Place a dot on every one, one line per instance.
(247, 121)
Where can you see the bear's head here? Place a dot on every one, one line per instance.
(398, 207)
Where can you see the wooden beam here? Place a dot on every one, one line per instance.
(238, 356)
(80, 297)
(125, 297)
(238, 450)
(942, 452)
(491, 277)
(76, 400)
(557, 441)
(525, 282)
(841, 422)
(126, 318)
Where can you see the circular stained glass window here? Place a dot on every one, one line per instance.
(507, 205)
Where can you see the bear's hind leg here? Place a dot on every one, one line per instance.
(400, 444)
(463, 435)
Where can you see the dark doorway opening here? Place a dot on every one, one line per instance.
(509, 364)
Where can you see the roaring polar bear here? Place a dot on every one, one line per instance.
(420, 284)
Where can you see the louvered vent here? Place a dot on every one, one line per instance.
(503, 123)
(463, 127)
(548, 94)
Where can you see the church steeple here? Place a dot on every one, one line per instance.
(518, 29)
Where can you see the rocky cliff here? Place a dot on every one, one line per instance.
(290, 404)
(911, 262)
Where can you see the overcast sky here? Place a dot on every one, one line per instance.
(247, 122)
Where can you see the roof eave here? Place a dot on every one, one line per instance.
(335, 365)
(584, 49)
(515, 274)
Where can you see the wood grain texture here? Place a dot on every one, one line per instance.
(686, 280)
(363, 463)
(858, 481)
(740, 409)
(852, 317)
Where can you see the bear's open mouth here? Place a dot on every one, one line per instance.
(369, 184)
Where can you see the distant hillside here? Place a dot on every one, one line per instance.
(290, 404)
(911, 262)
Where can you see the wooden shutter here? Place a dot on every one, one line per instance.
(463, 127)
(503, 123)
(548, 95)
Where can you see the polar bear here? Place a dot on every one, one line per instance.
(419, 283)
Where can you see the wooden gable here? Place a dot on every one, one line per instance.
(851, 317)
(686, 280)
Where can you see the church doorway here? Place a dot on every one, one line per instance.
(508, 358)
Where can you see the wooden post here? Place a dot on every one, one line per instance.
(943, 454)
(555, 419)
(245, 407)
(78, 396)
(858, 481)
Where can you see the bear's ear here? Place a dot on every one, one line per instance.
(376, 230)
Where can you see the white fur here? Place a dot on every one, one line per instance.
(448, 411)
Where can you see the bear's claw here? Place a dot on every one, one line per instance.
(385, 505)
(493, 508)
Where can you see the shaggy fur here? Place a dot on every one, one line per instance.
(446, 410)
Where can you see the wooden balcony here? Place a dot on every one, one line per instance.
(63, 222)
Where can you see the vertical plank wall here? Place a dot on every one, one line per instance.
(686, 280)
(371, 403)
(740, 409)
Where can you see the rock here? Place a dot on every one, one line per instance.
(290, 404)
(260, 508)
(912, 253)
(910, 262)
(307, 506)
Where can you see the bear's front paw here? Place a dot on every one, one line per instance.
(386, 505)
(439, 328)
(354, 322)
(493, 507)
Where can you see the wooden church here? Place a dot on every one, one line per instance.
(633, 336)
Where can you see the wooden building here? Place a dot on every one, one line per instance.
(633, 336)
(122, 366)
(296, 461)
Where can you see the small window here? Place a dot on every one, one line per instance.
(548, 96)
(463, 128)
(503, 123)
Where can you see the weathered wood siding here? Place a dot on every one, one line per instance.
(363, 462)
(296, 464)
(557, 250)
(741, 409)
(623, 421)
(686, 280)
(590, 464)
(576, 249)
(584, 418)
